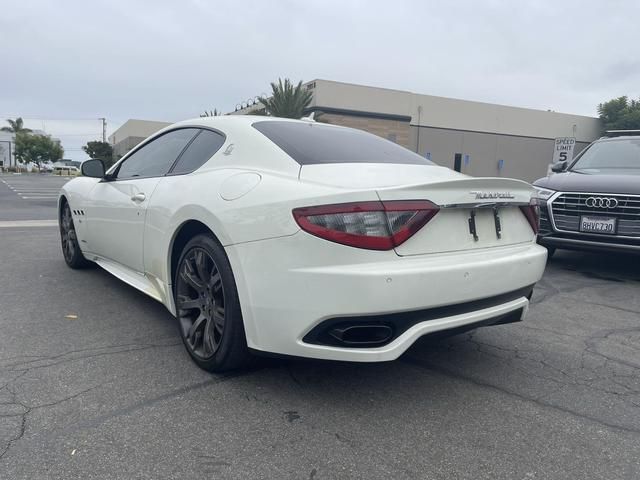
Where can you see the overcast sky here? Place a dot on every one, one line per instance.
(67, 63)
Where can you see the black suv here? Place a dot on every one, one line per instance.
(594, 203)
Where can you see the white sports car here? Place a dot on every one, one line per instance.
(303, 239)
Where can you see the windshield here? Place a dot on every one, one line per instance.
(610, 156)
(313, 143)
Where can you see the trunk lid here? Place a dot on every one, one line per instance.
(474, 213)
(491, 205)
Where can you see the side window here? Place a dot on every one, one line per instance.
(199, 151)
(155, 158)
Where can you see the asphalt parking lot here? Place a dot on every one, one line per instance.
(95, 383)
(29, 197)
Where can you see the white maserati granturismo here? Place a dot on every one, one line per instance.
(297, 238)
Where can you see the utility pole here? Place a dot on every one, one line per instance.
(104, 129)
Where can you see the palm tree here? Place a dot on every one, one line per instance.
(16, 126)
(286, 100)
(211, 113)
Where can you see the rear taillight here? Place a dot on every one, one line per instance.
(532, 212)
(371, 225)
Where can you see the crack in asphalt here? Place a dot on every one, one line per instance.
(545, 291)
(596, 378)
(125, 348)
(116, 413)
(549, 330)
(591, 343)
(154, 400)
(23, 419)
(538, 401)
(24, 369)
(23, 427)
(590, 347)
(594, 340)
(28, 409)
(605, 305)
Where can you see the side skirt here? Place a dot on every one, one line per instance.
(136, 280)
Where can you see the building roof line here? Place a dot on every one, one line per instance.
(440, 97)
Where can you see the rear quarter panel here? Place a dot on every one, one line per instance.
(262, 213)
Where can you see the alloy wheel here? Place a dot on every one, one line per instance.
(68, 235)
(200, 303)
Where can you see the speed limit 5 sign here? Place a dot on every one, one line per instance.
(563, 149)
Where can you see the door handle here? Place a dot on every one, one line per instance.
(138, 197)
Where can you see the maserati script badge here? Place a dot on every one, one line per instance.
(492, 195)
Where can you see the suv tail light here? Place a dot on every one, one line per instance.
(532, 212)
(372, 225)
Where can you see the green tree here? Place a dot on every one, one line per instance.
(37, 148)
(286, 100)
(620, 114)
(101, 150)
(16, 126)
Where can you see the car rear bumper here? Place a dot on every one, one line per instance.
(292, 285)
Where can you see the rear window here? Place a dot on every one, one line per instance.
(315, 143)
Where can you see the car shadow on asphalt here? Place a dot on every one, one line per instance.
(616, 267)
(317, 374)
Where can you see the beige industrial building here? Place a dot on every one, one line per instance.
(479, 139)
(131, 133)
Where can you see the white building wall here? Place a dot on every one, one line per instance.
(7, 149)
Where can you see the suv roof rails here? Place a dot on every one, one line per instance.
(620, 133)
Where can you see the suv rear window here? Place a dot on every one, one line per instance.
(315, 143)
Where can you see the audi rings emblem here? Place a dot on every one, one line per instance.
(602, 202)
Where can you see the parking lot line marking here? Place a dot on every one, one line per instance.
(39, 198)
(38, 193)
(28, 223)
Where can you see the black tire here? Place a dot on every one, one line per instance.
(70, 248)
(208, 308)
(550, 252)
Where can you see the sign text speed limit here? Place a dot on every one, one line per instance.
(563, 149)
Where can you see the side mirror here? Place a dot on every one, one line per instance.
(93, 168)
(559, 167)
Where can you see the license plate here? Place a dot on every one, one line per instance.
(605, 225)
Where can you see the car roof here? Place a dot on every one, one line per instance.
(236, 127)
(619, 137)
(240, 121)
